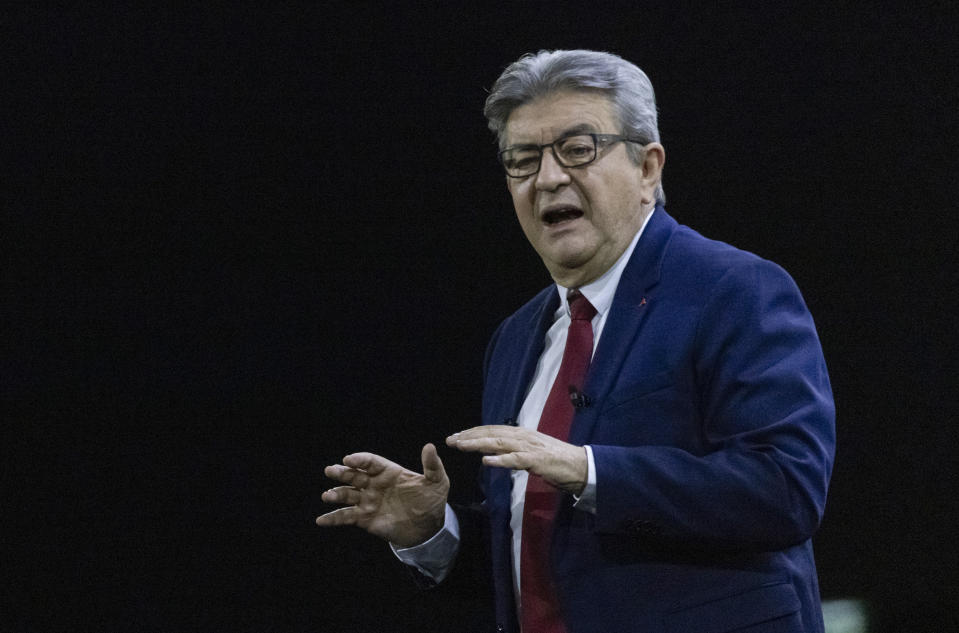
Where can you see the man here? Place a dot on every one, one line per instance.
(658, 427)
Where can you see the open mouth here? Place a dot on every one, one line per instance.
(561, 214)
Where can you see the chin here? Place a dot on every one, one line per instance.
(572, 260)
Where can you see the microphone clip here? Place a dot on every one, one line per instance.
(579, 399)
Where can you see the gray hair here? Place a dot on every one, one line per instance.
(547, 72)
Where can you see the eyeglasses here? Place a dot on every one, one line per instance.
(570, 151)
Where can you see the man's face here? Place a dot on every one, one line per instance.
(579, 220)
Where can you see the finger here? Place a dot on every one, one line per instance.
(372, 464)
(487, 431)
(346, 475)
(483, 430)
(343, 516)
(342, 494)
(514, 461)
(336, 472)
(495, 445)
(433, 468)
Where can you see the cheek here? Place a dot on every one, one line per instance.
(616, 211)
(521, 198)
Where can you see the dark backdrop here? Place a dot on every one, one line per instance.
(240, 242)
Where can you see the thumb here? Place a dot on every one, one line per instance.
(432, 464)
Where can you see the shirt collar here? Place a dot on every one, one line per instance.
(600, 291)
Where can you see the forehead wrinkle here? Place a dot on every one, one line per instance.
(570, 112)
(582, 128)
(547, 135)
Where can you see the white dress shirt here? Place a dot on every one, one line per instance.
(435, 557)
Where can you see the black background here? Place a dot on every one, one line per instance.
(241, 241)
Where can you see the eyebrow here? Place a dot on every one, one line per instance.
(580, 128)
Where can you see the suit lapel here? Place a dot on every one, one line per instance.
(633, 295)
(528, 343)
(533, 341)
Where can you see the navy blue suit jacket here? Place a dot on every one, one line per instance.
(711, 420)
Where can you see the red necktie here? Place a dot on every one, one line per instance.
(540, 607)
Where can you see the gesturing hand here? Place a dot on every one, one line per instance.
(563, 465)
(387, 500)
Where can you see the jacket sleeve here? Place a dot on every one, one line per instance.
(765, 422)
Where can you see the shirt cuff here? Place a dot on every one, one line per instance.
(434, 558)
(586, 501)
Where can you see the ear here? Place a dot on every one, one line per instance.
(654, 157)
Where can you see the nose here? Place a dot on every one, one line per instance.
(551, 174)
